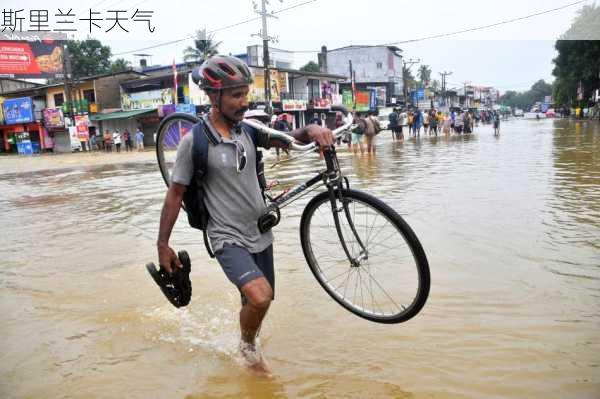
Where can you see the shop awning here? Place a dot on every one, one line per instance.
(120, 114)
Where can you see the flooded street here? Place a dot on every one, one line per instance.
(510, 225)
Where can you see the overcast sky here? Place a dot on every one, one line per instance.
(510, 56)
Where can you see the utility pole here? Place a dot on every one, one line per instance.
(444, 74)
(265, 38)
(67, 77)
(406, 65)
(465, 83)
(352, 85)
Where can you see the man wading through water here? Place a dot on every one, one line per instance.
(232, 196)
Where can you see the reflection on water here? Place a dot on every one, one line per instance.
(510, 224)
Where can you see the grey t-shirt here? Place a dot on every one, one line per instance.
(233, 199)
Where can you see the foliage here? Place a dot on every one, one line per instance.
(424, 75)
(578, 59)
(120, 64)
(409, 79)
(586, 25)
(88, 57)
(204, 47)
(525, 100)
(311, 66)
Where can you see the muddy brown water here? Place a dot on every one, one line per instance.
(511, 227)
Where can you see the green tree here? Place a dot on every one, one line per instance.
(88, 57)
(435, 85)
(541, 89)
(311, 66)
(578, 60)
(120, 64)
(409, 79)
(526, 99)
(204, 47)
(424, 75)
(586, 25)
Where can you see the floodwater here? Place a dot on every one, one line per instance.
(510, 224)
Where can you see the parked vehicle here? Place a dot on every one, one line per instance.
(534, 115)
(383, 117)
(519, 112)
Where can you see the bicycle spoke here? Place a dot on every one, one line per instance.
(385, 279)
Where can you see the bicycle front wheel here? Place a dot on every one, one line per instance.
(170, 132)
(386, 277)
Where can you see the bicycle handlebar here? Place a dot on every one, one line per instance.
(293, 144)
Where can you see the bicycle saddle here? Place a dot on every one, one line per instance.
(176, 286)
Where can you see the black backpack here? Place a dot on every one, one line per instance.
(193, 198)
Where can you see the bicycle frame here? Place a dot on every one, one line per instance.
(333, 179)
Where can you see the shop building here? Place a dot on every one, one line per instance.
(21, 130)
(146, 100)
(298, 93)
(377, 70)
(56, 124)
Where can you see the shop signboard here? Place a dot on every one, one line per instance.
(54, 118)
(31, 55)
(293, 105)
(164, 110)
(186, 108)
(347, 100)
(24, 146)
(321, 103)
(74, 138)
(278, 85)
(18, 110)
(363, 100)
(146, 99)
(82, 123)
(373, 99)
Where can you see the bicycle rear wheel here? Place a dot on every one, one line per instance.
(170, 132)
(388, 279)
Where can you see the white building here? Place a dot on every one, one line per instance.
(374, 67)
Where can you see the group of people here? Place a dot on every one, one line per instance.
(366, 129)
(108, 141)
(434, 121)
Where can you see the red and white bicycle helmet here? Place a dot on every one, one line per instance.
(222, 72)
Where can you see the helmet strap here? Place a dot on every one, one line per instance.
(230, 121)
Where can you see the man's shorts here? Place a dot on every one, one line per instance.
(356, 138)
(241, 267)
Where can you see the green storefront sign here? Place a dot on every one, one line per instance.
(78, 107)
(362, 100)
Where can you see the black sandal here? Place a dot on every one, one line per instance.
(176, 286)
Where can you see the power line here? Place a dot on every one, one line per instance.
(487, 26)
(465, 30)
(213, 31)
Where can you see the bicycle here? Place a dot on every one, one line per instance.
(348, 237)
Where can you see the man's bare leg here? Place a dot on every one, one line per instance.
(259, 295)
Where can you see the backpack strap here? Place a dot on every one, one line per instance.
(260, 140)
(200, 160)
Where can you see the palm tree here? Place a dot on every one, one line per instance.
(424, 75)
(204, 47)
(120, 64)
